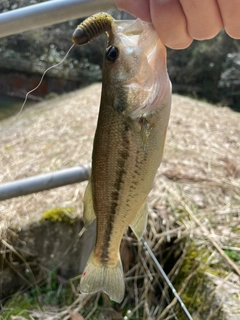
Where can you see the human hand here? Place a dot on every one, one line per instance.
(179, 22)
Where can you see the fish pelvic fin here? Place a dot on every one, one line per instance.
(139, 224)
(102, 277)
(88, 212)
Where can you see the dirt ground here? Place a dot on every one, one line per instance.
(199, 178)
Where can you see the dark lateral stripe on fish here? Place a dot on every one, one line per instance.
(123, 156)
(115, 195)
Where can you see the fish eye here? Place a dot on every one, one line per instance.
(112, 54)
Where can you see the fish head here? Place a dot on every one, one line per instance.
(134, 68)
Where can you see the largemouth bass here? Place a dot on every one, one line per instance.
(128, 144)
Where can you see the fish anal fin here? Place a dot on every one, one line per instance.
(102, 277)
(139, 224)
(88, 211)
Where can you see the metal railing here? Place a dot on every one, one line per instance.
(48, 13)
(43, 182)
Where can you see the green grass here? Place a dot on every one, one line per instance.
(233, 254)
(18, 305)
(54, 292)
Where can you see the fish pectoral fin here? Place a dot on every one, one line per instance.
(88, 211)
(102, 277)
(145, 130)
(139, 224)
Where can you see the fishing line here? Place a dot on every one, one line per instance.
(165, 277)
(41, 80)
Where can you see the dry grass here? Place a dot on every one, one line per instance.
(52, 135)
(196, 193)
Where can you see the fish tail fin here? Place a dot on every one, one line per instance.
(107, 278)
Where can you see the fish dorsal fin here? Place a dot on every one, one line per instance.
(88, 212)
(139, 224)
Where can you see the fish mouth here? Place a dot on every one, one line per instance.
(136, 33)
(151, 79)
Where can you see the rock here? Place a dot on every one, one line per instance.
(52, 246)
